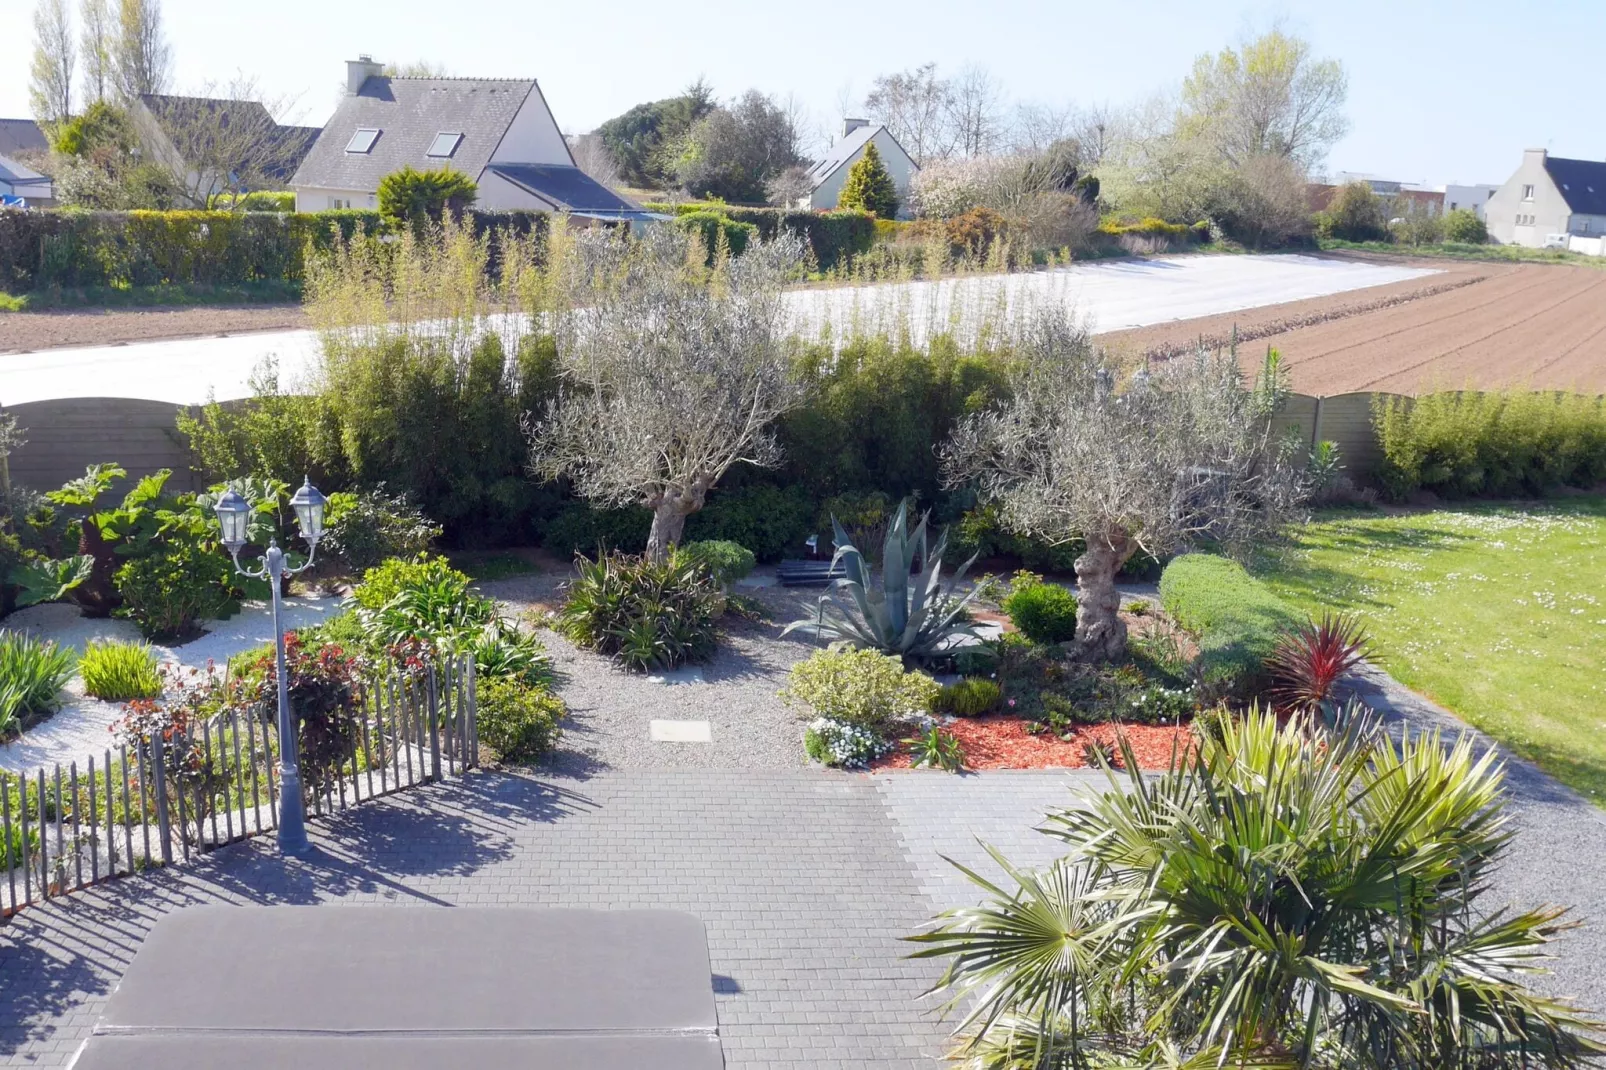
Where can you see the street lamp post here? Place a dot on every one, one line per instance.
(234, 517)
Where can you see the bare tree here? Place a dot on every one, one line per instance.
(1172, 455)
(144, 60)
(418, 68)
(591, 155)
(54, 57)
(1096, 130)
(223, 141)
(914, 105)
(1269, 97)
(98, 39)
(975, 112)
(671, 376)
(1037, 126)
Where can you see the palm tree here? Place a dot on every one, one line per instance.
(1283, 896)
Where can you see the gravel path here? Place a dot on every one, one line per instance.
(78, 729)
(611, 709)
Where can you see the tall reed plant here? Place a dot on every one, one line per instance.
(32, 672)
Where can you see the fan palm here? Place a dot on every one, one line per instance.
(1284, 896)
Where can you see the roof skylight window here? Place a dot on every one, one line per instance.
(445, 144)
(363, 140)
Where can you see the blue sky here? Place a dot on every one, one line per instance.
(1439, 91)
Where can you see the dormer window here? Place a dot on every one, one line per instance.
(363, 140)
(445, 144)
(1527, 193)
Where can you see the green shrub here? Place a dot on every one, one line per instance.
(118, 672)
(168, 592)
(520, 722)
(1355, 214)
(1235, 618)
(863, 688)
(714, 229)
(648, 614)
(1042, 612)
(971, 697)
(771, 521)
(1503, 444)
(385, 581)
(32, 672)
(416, 198)
(1463, 225)
(581, 529)
(868, 186)
(363, 529)
(502, 650)
(726, 561)
(834, 237)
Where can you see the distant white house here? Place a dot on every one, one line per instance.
(831, 172)
(498, 132)
(1473, 197)
(1549, 201)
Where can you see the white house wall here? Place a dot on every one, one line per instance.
(533, 136)
(1475, 198)
(893, 158)
(320, 199)
(1548, 209)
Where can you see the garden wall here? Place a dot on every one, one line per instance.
(1343, 418)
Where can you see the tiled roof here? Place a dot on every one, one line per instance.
(566, 187)
(21, 135)
(409, 113)
(842, 150)
(289, 146)
(1582, 183)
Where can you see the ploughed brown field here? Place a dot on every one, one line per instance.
(1473, 325)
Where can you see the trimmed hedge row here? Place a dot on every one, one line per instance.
(1235, 617)
(69, 248)
(833, 236)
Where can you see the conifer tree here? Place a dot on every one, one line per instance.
(869, 186)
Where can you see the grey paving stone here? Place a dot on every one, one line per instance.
(800, 878)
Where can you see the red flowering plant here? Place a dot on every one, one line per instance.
(325, 689)
(195, 778)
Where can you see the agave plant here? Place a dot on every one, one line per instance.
(909, 613)
(1309, 661)
(1286, 895)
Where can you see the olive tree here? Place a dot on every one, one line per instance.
(1171, 454)
(672, 373)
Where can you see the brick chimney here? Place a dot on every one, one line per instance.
(358, 71)
(850, 125)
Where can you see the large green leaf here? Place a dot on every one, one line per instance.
(49, 580)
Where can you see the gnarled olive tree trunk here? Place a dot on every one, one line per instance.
(1100, 634)
(670, 508)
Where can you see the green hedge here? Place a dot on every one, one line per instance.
(72, 249)
(1463, 443)
(833, 236)
(1235, 617)
(708, 227)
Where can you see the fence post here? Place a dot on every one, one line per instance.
(1316, 426)
(434, 729)
(472, 711)
(164, 829)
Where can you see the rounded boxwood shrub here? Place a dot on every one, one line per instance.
(519, 722)
(1042, 612)
(726, 561)
(860, 687)
(968, 698)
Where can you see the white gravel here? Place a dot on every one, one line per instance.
(78, 729)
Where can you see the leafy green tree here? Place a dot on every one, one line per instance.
(646, 140)
(413, 197)
(1355, 214)
(1270, 97)
(734, 151)
(869, 186)
(1463, 225)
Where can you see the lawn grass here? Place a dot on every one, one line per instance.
(1497, 612)
(492, 565)
(181, 294)
(1517, 254)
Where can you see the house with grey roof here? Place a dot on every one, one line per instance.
(219, 144)
(22, 186)
(831, 171)
(1548, 201)
(499, 132)
(21, 137)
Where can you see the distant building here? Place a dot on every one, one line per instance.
(498, 132)
(1319, 195)
(831, 172)
(1473, 198)
(24, 186)
(1548, 199)
(22, 137)
(170, 127)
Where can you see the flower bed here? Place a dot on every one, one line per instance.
(1002, 742)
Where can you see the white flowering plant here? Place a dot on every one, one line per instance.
(844, 745)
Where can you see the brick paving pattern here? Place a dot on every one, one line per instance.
(800, 879)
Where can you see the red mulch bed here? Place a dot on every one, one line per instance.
(1001, 742)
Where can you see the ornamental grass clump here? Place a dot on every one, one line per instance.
(1283, 896)
(32, 672)
(648, 614)
(120, 672)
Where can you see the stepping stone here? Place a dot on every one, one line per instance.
(689, 674)
(680, 731)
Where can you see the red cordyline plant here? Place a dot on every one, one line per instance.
(1309, 660)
